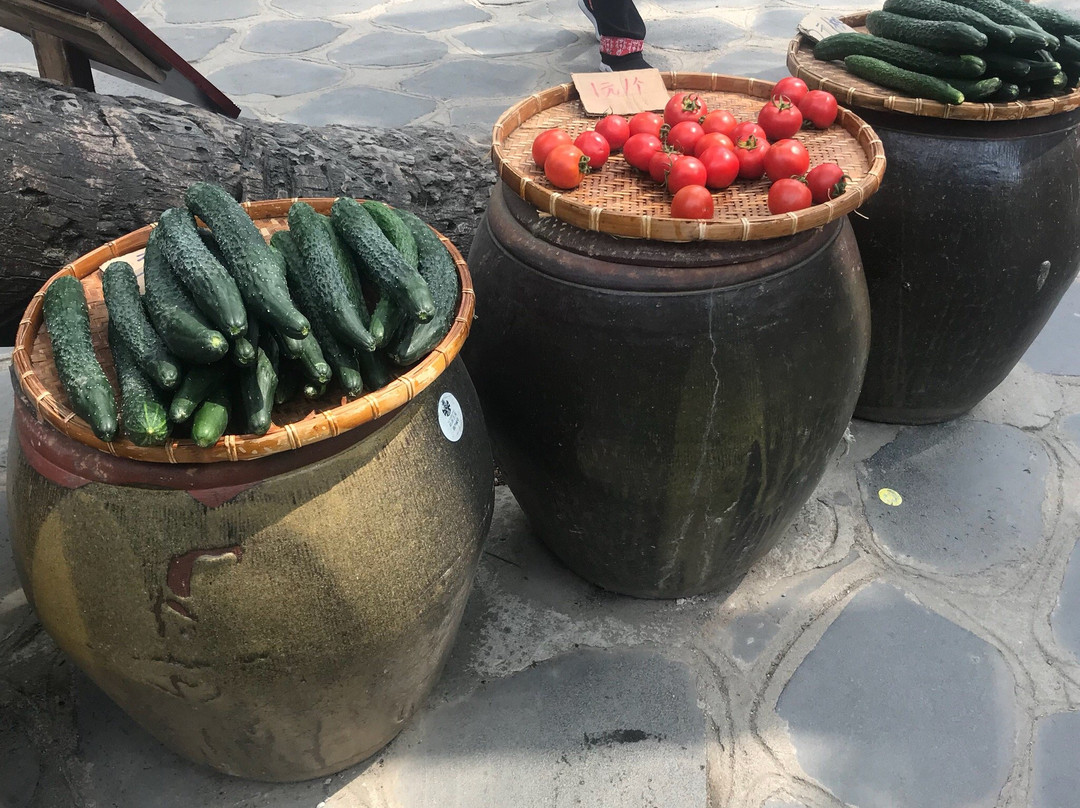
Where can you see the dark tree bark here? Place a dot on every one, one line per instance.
(78, 169)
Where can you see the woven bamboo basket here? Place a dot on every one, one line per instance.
(856, 92)
(619, 201)
(295, 424)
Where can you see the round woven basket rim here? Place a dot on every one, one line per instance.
(801, 63)
(666, 228)
(324, 424)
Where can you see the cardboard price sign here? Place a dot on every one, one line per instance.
(622, 93)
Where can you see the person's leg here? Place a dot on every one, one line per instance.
(621, 32)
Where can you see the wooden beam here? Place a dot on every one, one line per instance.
(59, 61)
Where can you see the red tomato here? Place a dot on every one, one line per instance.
(827, 181)
(780, 119)
(745, 129)
(684, 136)
(685, 107)
(546, 141)
(595, 147)
(661, 164)
(646, 122)
(711, 139)
(565, 165)
(692, 202)
(721, 166)
(786, 158)
(791, 88)
(615, 129)
(686, 171)
(751, 153)
(719, 120)
(819, 107)
(787, 195)
(639, 149)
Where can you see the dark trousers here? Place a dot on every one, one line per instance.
(618, 21)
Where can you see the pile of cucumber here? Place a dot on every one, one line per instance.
(987, 51)
(230, 326)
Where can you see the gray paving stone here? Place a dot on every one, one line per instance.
(972, 494)
(208, 10)
(19, 768)
(1055, 349)
(507, 40)
(389, 49)
(1065, 618)
(474, 78)
(316, 9)
(425, 16)
(275, 77)
(361, 106)
(898, 706)
(290, 36)
(778, 22)
(15, 49)
(194, 42)
(1072, 426)
(477, 119)
(756, 63)
(697, 34)
(595, 728)
(1055, 775)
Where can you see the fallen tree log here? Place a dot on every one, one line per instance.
(78, 169)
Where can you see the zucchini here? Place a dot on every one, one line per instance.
(951, 37)
(976, 90)
(1008, 68)
(128, 317)
(1008, 92)
(143, 409)
(68, 320)
(385, 320)
(212, 288)
(916, 84)
(212, 417)
(1050, 19)
(258, 273)
(257, 386)
(183, 327)
(901, 54)
(395, 230)
(996, 33)
(199, 382)
(383, 263)
(415, 340)
(320, 275)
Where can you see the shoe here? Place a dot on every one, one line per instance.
(631, 61)
(584, 6)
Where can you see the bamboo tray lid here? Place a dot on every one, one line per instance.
(856, 92)
(296, 423)
(621, 201)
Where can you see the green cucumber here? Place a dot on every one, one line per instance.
(257, 271)
(1050, 19)
(374, 371)
(1005, 14)
(199, 382)
(1008, 68)
(313, 362)
(292, 348)
(243, 353)
(944, 12)
(349, 274)
(395, 230)
(210, 285)
(382, 262)
(68, 320)
(212, 417)
(313, 390)
(1026, 41)
(916, 84)
(1072, 72)
(128, 317)
(976, 90)
(1008, 92)
(1068, 50)
(415, 340)
(288, 382)
(257, 386)
(1042, 69)
(386, 320)
(1049, 85)
(143, 408)
(950, 37)
(184, 328)
(320, 275)
(900, 54)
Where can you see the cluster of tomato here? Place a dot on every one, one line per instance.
(693, 150)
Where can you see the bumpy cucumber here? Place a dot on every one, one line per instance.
(143, 408)
(1050, 19)
(944, 11)
(1003, 13)
(183, 327)
(128, 317)
(374, 371)
(901, 54)
(212, 417)
(916, 84)
(1008, 68)
(313, 390)
(321, 276)
(386, 320)
(1026, 41)
(257, 386)
(950, 37)
(1007, 92)
(381, 260)
(210, 285)
(349, 274)
(1049, 85)
(395, 231)
(977, 90)
(415, 340)
(68, 321)
(199, 382)
(288, 382)
(258, 273)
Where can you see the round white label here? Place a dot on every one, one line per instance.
(450, 418)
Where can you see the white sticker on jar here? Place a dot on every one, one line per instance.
(450, 418)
